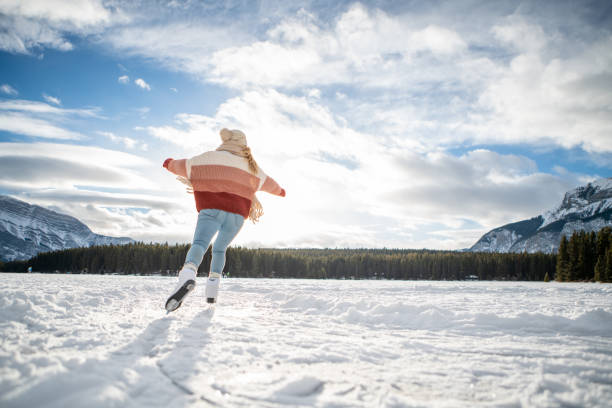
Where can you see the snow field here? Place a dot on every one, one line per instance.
(105, 341)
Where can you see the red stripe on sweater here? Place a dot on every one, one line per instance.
(222, 201)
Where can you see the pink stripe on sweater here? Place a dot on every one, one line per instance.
(219, 172)
(216, 178)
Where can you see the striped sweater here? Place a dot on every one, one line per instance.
(222, 180)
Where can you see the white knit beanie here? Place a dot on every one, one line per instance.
(234, 136)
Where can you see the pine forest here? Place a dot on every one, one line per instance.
(582, 257)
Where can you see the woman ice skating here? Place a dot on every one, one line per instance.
(224, 182)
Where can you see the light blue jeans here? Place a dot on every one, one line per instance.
(211, 221)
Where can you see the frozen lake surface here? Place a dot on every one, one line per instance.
(105, 341)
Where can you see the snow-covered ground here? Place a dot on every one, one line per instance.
(89, 341)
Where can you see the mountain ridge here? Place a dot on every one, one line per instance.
(27, 229)
(585, 208)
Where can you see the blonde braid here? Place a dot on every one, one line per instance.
(252, 163)
(256, 210)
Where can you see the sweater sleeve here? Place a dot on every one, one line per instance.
(272, 187)
(177, 167)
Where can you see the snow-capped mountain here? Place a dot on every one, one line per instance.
(586, 208)
(26, 230)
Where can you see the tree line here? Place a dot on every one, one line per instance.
(585, 256)
(403, 264)
(582, 257)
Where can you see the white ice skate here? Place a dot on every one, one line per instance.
(185, 285)
(212, 286)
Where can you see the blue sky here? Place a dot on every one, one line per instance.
(390, 124)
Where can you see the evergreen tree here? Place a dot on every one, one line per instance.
(603, 241)
(607, 275)
(590, 255)
(563, 261)
(576, 260)
(600, 269)
(588, 264)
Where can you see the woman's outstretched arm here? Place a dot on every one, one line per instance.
(272, 187)
(178, 167)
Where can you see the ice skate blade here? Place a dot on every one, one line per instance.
(171, 305)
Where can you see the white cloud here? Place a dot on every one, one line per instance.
(437, 193)
(21, 105)
(81, 154)
(7, 89)
(540, 100)
(50, 171)
(128, 142)
(98, 167)
(194, 131)
(142, 84)
(274, 123)
(77, 153)
(21, 35)
(79, 13)
(52, 99)
(314, 93)
(481, 184)
(147, 220)
(298, 51)
(179, 45)
(138, 216)
(174, 90)
(362, 48)
(437, 40)
(124, 79)
(29, 126)
(521, 34)
(30, 24)
(38, 119)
